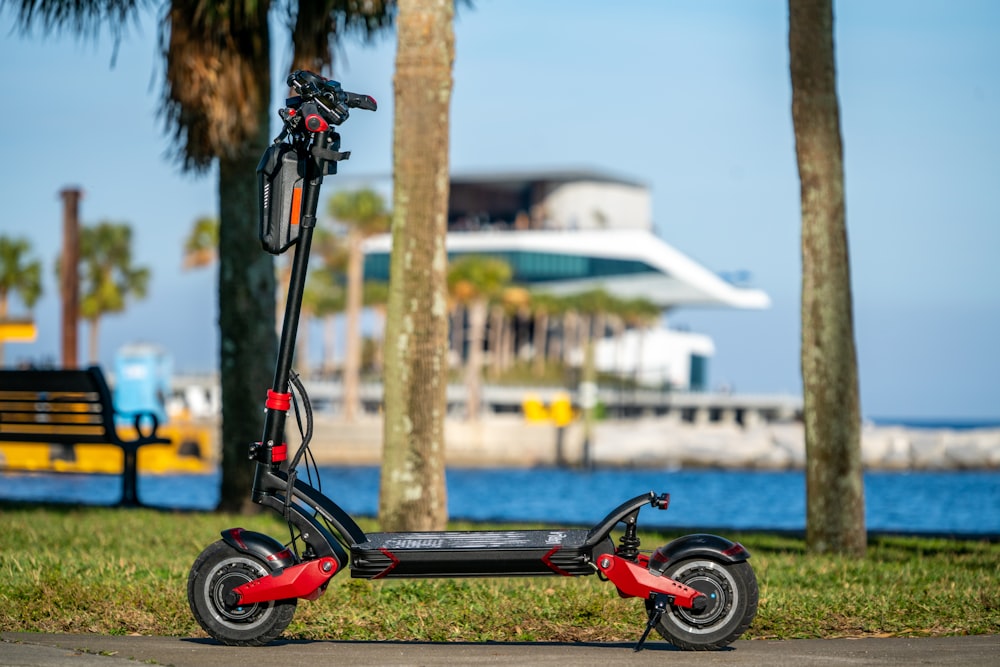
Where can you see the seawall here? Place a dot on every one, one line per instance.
(508, 440)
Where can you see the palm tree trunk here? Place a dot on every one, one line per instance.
(248, 343)
(474, 365)
(329, 343)
(3, 316)
(352, 353)
(413, 494)
(378, 360)
(495, 345)
(541, 340)
(558, 342)
(92, 342)
(572, 335)
(302, 347)
(618, 327)
(835, 519)
(457, 341)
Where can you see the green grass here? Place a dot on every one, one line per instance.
(116, 571)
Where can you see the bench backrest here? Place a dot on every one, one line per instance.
(68, 406)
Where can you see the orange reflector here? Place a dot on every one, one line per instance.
(296, 205)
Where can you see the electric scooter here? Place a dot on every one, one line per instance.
(699, 591)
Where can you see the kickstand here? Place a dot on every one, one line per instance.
(660, 602)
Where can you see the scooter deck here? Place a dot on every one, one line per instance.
(476, 553)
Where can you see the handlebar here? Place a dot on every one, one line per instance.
(330, 100)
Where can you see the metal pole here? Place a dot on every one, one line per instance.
(69, 279)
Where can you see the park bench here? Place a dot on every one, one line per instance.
(71, 407)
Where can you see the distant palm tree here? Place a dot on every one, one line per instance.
(217, 107)
(201, 247)
(413, 495)
(18, 275)
(365, 214)
(108, 280)
(474, 281)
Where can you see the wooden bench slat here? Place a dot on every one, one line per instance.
(52, 418)
(49, 381)
(50, 408)
(9, 395)
(61, 430)
(51, 396)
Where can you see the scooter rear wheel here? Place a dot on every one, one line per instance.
(732, 594)
(218, 570)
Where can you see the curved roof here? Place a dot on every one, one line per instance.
(626, 263)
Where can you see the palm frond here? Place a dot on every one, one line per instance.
(318, 27)
(81, 17)
(215, 55)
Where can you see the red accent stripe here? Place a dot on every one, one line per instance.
(279, 453)
(276, 401)
(734, 550)
(547, 559)
(237, 534)
(392, 566)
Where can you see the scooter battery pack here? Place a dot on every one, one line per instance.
(279, 180)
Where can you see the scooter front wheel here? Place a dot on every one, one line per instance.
(731, 589)
(217, 571)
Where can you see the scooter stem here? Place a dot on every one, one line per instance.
(316, 165)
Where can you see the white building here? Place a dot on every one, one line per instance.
(569, 232)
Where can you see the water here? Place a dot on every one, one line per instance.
(923, 423)
(966, 502)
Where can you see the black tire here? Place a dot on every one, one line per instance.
(732, 604)
(219, 569)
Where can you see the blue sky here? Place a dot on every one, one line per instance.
(692, 98)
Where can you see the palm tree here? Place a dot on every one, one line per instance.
(108, 280)
(18, 275)
(474, 281)
(364, 213)
(835, 508)
(412, 493)
(216, 104)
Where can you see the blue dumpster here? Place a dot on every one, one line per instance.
(142, 381)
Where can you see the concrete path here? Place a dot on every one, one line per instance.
(19, 649)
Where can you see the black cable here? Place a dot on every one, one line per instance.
(307, 408)
(306, 437)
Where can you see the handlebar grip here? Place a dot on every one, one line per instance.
(366, 102)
